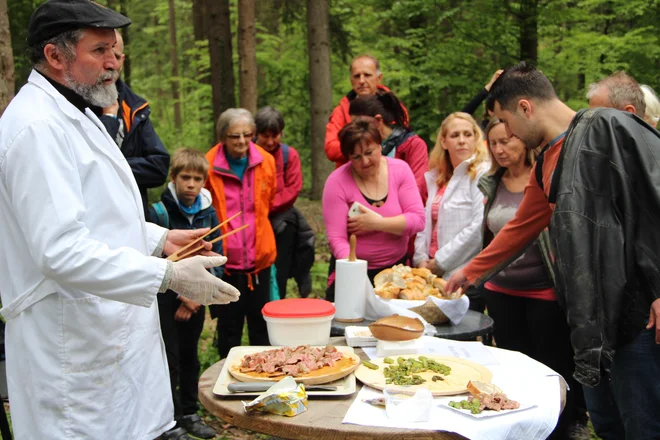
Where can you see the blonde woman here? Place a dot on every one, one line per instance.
(455, 205)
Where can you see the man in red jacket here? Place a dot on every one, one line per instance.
(365, 80)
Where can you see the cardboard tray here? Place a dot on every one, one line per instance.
(345, 386)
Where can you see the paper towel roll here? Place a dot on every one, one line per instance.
(350, 290)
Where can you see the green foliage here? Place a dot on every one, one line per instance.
(435, 55)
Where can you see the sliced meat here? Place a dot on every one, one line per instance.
(291, 361)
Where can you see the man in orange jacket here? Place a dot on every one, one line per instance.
(365, 80)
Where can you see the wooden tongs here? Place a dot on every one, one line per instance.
(185, 253)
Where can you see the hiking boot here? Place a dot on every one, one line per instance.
(194, 425)
(176, 434)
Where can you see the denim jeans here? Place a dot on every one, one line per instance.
(631, 401)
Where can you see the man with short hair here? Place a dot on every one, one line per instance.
(127, 121)
(80, 267)
(597, 189)
(366, 79)
(619, 91)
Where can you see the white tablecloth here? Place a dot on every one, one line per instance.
(522, 379)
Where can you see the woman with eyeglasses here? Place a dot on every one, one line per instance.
(242, 178)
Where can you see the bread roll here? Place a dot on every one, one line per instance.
(387, 291)
(478, 389)
(415, 285)
(401, 269)
(412, 295)
(432, 291)
(398, 281)
(383, 277)
(421, 272)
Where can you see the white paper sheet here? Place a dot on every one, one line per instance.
(471, 351)
(517, 374)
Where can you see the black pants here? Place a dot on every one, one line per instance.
(477, 300)
(538, 329)
(286, 248)
(231, 317)
(181, 339)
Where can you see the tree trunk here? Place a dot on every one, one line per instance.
(175, 68)
(247, 56)
(200, 24)
(222, 64)
(268, 15)
(529, 32)
(6, 60)
(320, 89)
(126, 71)
(200, 32)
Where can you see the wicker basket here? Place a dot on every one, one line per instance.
(431, 313)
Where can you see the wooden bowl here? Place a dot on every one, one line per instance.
(397, 328)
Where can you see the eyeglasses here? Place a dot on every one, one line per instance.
(237, 136)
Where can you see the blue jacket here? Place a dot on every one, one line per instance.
(138, 141)
(206, 218)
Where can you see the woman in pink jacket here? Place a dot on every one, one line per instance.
(392, 207)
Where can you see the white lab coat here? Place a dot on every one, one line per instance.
(460, 218)
(85, 357)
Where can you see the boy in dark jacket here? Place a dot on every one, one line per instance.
(185, 204)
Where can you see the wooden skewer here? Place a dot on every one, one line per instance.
(175, 256)
(215, 240)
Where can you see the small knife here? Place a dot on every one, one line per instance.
(250, 387)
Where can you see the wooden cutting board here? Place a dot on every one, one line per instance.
(342, 368)
(462, 371)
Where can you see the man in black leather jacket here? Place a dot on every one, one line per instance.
(127, 121)
(601, 177)
(622, 92)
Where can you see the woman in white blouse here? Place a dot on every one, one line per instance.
(455, 205)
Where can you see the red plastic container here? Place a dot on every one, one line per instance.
(298, 321)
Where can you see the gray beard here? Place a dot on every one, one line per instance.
(97, 94)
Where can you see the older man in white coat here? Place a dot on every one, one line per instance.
(85, 358)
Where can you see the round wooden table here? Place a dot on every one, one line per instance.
(322, 420)
(472, 325)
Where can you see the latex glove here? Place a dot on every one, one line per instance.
(190, 279)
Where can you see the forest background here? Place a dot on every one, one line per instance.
(191, 59)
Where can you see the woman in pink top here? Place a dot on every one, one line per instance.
(385, 186)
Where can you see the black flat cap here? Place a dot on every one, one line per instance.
(56, 16)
